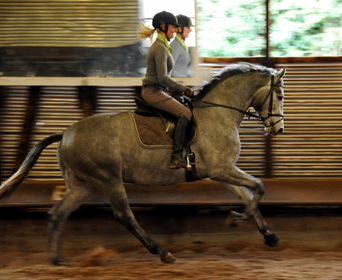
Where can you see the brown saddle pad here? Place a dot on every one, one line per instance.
(151, 131)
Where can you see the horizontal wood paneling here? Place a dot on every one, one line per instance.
(64, 23)
(311, 145)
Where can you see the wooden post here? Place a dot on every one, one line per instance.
(267, 35)
(269, 63)
(88, 99)
(138, 90)
(268, 157)
(2, 101)
(27, 127)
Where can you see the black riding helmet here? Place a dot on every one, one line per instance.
(184, 21)
(164, 18)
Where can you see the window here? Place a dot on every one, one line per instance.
(296, 28)
(305, 28)
(231, 28)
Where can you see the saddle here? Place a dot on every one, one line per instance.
(156, 129)
(168, 120)
(144, 109)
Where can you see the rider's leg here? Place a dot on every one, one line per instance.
(178, 160)
(161, 100)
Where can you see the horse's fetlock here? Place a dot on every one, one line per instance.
(155, 249)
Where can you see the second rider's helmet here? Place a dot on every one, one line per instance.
(183, 21)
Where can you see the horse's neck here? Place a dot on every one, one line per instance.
(233, 92)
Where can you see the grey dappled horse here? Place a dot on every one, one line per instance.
(103, 152)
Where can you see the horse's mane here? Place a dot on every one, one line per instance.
(227, 72)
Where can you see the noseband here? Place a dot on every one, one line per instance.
(248, 113)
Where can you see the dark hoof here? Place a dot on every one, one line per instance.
(272, 240)
(62, 261)
(168, 258)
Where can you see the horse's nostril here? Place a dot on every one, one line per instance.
(281, 130)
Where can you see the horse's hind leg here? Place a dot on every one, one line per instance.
(77, 192)
(123, 214)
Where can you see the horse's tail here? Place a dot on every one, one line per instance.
(11, 184)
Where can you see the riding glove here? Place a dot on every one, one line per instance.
(189, 92)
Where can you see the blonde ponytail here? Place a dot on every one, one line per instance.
(146, 32)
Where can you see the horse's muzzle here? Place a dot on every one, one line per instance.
(280, 130)
(275, 127)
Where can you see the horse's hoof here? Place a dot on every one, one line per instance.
(62, 261)
(272, 240)
(168, 258)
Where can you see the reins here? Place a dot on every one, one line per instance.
(211, 104)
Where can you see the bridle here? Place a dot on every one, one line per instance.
(270, 106)
(248, 113)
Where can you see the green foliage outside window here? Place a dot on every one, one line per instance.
(297, 28)
(231, 28)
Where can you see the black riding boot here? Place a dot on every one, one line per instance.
(177, 160)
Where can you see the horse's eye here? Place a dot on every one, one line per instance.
(280, 97)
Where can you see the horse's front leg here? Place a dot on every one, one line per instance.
(241, 179)
(270, 238)
(242, 193)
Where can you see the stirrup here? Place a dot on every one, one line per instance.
(189, 163)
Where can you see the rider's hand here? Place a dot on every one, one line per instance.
(189, 92)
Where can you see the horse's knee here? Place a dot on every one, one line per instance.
(260, 188)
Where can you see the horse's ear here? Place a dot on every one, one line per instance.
(280, 74)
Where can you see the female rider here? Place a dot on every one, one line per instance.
(158, 86)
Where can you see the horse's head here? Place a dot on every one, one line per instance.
(270, 106)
